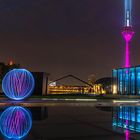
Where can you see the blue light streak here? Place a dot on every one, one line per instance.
(15, 122)
(128, 13)
(18, 84)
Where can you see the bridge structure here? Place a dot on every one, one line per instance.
(69, 88)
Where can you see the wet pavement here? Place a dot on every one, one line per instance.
(61, 119)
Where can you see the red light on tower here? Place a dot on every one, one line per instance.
(11, 63)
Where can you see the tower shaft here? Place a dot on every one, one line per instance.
(127, 55)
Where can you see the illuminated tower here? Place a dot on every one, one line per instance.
(128, 31)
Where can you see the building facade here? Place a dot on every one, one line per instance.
(126, 81)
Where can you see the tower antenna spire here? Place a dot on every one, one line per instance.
(128, 13)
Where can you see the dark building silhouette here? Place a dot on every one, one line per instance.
(4, 68)
(41, 82)
(106, 83)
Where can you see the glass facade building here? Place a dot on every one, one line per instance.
(127, 118)
(126, 81)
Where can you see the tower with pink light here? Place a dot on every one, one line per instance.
(128, 31)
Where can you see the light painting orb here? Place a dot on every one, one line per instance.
(15, 122)
(18, 84)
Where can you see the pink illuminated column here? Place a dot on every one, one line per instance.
(127, 34)
(127, 134)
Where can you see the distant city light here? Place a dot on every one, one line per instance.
(125, 101)
(52, 84)
(114, 89)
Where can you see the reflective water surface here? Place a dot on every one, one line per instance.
(70, 123)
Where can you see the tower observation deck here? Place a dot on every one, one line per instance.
(128, 31)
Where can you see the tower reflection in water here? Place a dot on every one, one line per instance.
(127, 118)
(15, 122)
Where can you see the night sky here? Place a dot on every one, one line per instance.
(61, 37)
